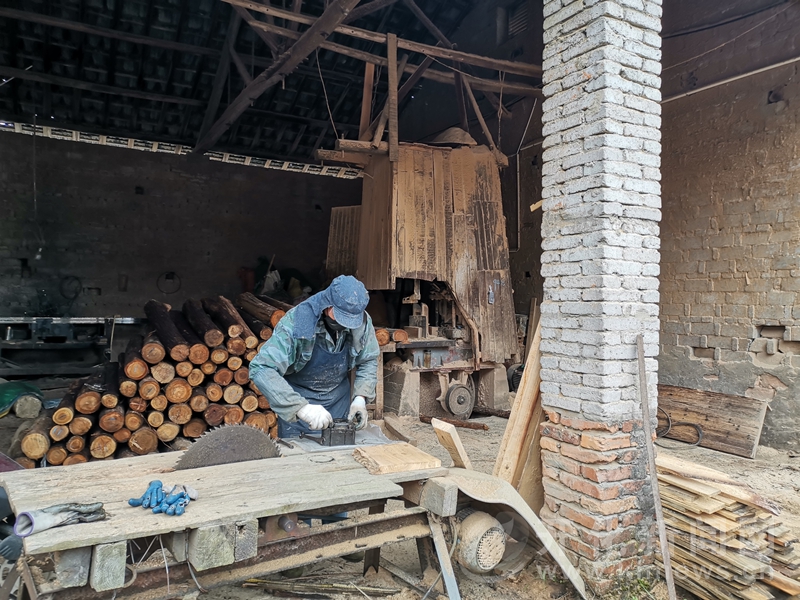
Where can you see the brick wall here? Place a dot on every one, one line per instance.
(600, 260)
(731, 245)
(117, 219)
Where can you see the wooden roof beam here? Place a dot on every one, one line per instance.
(309, 41)
(265, 36)
(367, 9)
(507, 66)
(93, 87)
(223, 69)
(514, 88)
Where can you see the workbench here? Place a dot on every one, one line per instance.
(232, 533)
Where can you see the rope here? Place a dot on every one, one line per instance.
(325, 91)
(660, 433)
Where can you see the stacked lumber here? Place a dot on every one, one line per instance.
(726, 541)
(190, 372)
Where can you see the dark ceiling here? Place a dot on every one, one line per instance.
(161, 94)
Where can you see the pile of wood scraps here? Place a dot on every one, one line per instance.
(726, 541)
(189, 373)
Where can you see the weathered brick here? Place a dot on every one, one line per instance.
(608, 507)
(549, 444)
(600, 491)
(579, 515)
(604, 442)
(606, 539)
(606, 474)
(560, 433)
(561, 463)
(587, 456)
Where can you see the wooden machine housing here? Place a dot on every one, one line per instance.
(435, 215)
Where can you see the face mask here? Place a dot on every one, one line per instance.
(333, 325)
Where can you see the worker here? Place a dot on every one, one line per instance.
(303, 369)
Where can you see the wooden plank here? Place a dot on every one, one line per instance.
(245, 541)
(395, 428)
(730, 424)
(448, 437)
(366, 99)
(358, 159)
(394, 458)
(72, 567)
(438, 495)
(108, 566)
(785, 584)
(283, 65)
(511, 451)
(391, 55)
(340, 481)
(342, 255)
(375, 230)
(449, 576)
(379, 390)
(533, 320)
(212, 546)
(696, 487)
(649, 435)
(528, 477)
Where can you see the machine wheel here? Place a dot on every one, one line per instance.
(460, 400)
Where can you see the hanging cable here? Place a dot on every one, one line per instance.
(699, 28)
(325, 91)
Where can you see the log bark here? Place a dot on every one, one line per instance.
(235, 362)
(223, 376)
(82, 424)
(65, 411)
(249, 402)
(158, 316)
(25, 462)
(202, 323)
(485, 411)
(124, 452)
(236, 346)
(198, 351)
(149, 388)
(138, 404)
(208, 368)
(74, 444)
(259, 328)
(194, 428)
(36, 442)
(122, 436)
(87, 402)
(134, 420)
(179, 413)
(155, 418)
(233, 393)
(153, 350)
(133, 365)
(168, 431)
(56, 454)
(241, 376)
(143, 441)
(259, 309)
(257, 420)
(59, 432)
(195, 378)
(178, 391)
(234, 415)
(219, 355)
(215, 414)
(182, 369)
(198, 401)
(110, 396)
(383, 337)
(160, 402)
(163, 372)
(214, 392)
(263, 403)
(250, 339)
(77, 458)
(219, 311)
(111, 419)
(273, 432)
(102, 445)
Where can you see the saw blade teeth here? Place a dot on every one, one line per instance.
(229, 444)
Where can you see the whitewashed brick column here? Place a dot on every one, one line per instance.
(600, 261)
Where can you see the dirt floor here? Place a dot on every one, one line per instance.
(773, 473)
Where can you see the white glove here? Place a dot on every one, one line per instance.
(358, 412)
(316, 416)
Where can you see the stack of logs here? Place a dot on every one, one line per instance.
(189, 373)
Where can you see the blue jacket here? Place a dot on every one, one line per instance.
(284, 354)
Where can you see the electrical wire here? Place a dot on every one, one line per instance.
(699, 28)
(325, 91)
(723, 44)
(660, 433)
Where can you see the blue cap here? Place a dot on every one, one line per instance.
(350, 299)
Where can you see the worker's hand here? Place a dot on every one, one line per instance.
(358, 412)
(11, 548)
(316, 416)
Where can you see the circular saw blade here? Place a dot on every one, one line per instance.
(228, 444)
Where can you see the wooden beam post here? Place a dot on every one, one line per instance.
(309, 41)
(367, 9)
(237, 61)
(266, 37)
(428, 24)
(391, 55)
(501, 158)
(366, 99)
(223, 68)
(461, 105)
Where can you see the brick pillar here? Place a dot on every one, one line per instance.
(601, 263)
